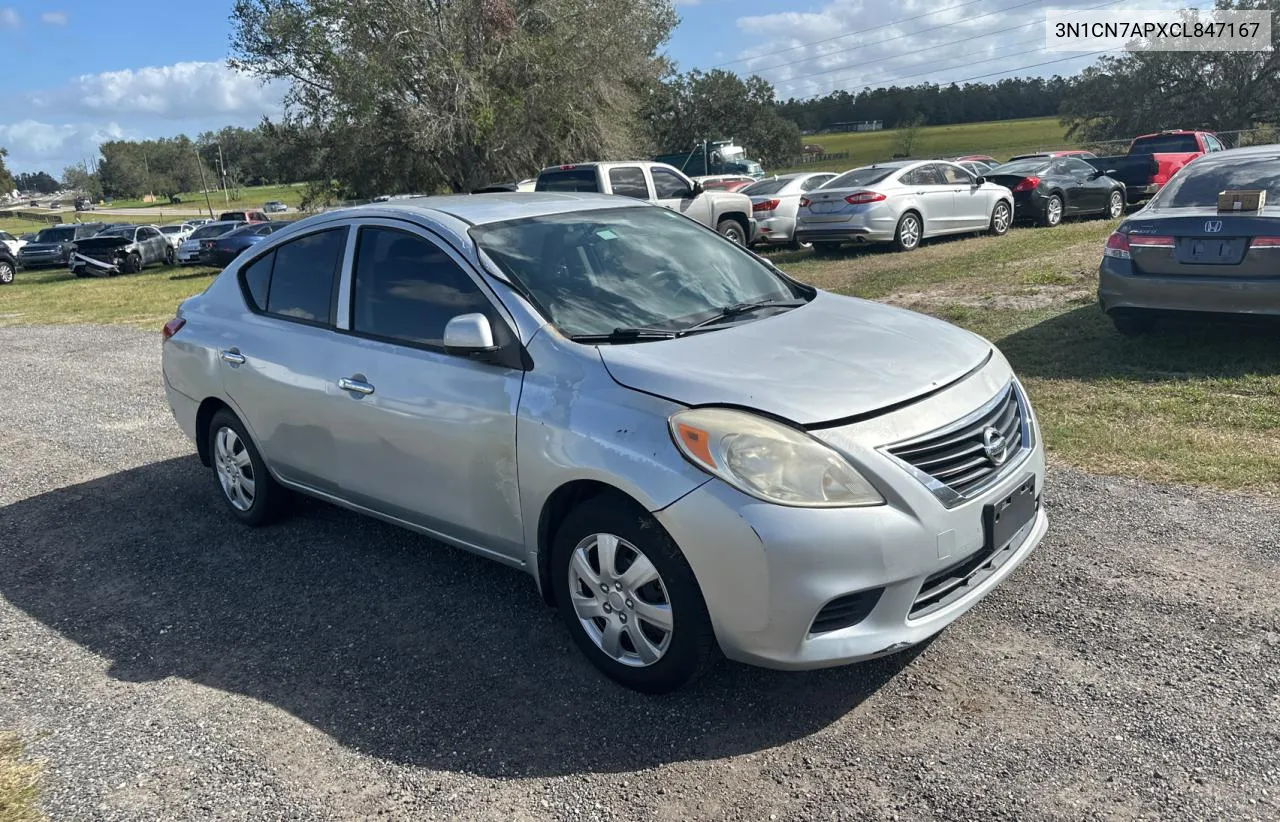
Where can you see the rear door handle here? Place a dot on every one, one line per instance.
(233, 356)
(355, 383)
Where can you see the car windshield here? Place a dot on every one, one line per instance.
(868, 176)
(594, 272)
(1020, 167)
(212, 230)
(172, 229)
(56, 235)
(766, 187)
(1198, 184)
(116, 232)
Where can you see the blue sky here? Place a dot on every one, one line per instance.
(66, 85)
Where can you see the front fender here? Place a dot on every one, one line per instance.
(576, 423)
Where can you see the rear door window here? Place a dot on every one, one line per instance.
(628, 181)
(298, 280)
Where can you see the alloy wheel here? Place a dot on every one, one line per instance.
(620, 599)
(1053, 211)
(910, 232)
(1000, 221)
(6, 273)
(235, 468)
(1116, 204)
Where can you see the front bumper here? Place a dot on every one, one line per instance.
(1119, 288)
(41, 260)
(767, 571)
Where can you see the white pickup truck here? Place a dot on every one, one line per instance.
(726, 212)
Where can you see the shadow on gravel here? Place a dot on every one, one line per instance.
(1177, 348)
(394, 645)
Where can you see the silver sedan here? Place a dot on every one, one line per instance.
(667, 433)
(902, 203)
(775, 201)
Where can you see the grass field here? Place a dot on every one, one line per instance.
(1192, 402)
(1001, 139)
(19, 783)
(249, 197)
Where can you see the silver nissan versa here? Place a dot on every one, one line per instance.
(689, 451)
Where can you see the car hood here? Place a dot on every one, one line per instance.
(835, 358)
(101, 243)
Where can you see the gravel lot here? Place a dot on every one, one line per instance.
(167, 663)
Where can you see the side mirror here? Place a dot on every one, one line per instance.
(980, 180)
(468, 334)
(697, 189)
(1111, 172)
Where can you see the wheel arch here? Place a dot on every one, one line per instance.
(554, 510)
(204, 415)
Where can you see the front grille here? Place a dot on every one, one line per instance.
(958, 457)
(845, 611)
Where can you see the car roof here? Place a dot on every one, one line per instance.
(1244, 153)
(480, 209)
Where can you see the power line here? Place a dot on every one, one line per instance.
(899, 56)
(847, 34)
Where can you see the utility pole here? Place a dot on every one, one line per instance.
(223, 168)
(203, 184)
(147, 169)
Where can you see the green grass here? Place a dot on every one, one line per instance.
(1193, 402)
(1001, 139)
(56, 296)
(249, 197)
(19, 783)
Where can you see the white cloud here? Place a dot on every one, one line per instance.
(9, 18)
(687, 2)
(172, 92)
(849, 44)
(33, 144)
(54, 18)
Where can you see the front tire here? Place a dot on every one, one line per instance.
(132, 264)
(732, 231)
(1115, 205)
(1001, 218)
(6, 272)
(1052, 213)
(169, 256)
(244, 483)
(629, 598)
(907, 236)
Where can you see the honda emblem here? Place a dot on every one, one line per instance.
(1212, 226)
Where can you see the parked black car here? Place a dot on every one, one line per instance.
(222, 250)
(124, 250)
(8, 266)
(53, 246)
(1046, 189)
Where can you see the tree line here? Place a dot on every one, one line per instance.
(392, 96)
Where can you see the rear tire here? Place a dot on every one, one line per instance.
(907, 235)
(169, 256)
(579, 569)
(732, 231)
(1132, 323)
(247, 488)
(1001, 219)
(1051, 215)
(1115, 204)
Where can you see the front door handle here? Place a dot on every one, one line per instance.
(355, 383)
(233, 356)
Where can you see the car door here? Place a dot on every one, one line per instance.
(427, 436)
(150, 243)
(675, 191)
(934, 197)
(629, 181)
(971, 204)
(1094, 189)
(1074, 187)
(277, 357)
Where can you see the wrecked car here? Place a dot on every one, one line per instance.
(120, 250)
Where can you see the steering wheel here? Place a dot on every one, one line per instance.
(667, 274)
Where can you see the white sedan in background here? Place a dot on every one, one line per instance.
(177, 233)
(11, 242)
(901, 203)
(775, 201)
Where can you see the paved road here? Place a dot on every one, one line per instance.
(168, 664)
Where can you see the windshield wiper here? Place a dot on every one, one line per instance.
(729, 312)
(625, 335)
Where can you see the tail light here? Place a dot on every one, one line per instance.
(1027, 183)
(173, 327)
(1151, 241)
(767, 205)
(804, 202)
(1117, 246)
(864, 197)
(1265, 242)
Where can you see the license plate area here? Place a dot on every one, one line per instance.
(1211, 251)
(1003, 519)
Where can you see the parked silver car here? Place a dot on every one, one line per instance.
(683, 446)
(902, 203)
(775, 201)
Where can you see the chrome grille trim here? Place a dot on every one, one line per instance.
(951, 462)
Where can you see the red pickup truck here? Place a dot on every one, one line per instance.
(1154, 158)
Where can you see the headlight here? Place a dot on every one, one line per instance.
(768, 460)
